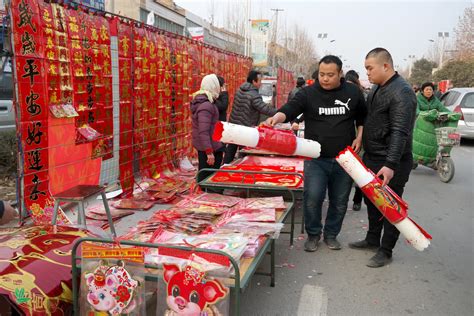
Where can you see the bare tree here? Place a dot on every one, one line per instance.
(465, 35)
(236, 17)
(300, 54)
(433, 53)
(211, 8)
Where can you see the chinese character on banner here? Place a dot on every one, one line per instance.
(25, 14)
(35, 190)
(34, 160)
(30, 70)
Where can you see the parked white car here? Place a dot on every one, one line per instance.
(461, 100)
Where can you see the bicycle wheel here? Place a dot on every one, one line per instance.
(446, 169)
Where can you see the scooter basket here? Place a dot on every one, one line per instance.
(447, 136)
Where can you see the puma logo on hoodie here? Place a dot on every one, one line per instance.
(341, 110)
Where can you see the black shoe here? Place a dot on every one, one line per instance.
(363, 245)
(311, 243)
(332, 243)
(356, 207)
(379, 260)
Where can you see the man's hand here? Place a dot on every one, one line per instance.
(387, 175)
(210, 159)
(8, 214)
(357, 144)
(275, 119)
(295, 126)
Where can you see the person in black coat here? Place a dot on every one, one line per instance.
(387, 141)
(222, 102)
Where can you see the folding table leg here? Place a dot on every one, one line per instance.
(292, 230)
(272, 262)
(82, 214)
(55, 212)
(109, 216)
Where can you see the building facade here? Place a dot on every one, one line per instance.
(172, 18)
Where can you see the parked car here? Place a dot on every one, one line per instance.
(266, 90)
(7, 113)
(461, 100)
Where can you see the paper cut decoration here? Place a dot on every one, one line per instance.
(281, 142)
(88, 133)
(69, 110)
(392, 207)
(111, 289)
(63, 110)
(190, 293)
(57, 111)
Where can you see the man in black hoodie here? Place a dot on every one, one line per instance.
(332, 108)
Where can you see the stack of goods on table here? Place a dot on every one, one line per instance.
(147, 193)
(261, 178)
(163, 190)
(234, 225)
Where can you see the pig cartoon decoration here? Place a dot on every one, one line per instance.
(111, 289)
(189, 293)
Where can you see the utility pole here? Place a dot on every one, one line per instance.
(274, 40)
(247, 30)
(443, 36)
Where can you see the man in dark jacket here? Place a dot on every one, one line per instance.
(332, 109)
(387, 142)
(300, 82)
(247, 107)
(222, 101)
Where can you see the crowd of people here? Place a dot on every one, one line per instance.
(380, 122)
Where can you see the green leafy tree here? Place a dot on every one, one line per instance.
(422, 71)
(459, 72)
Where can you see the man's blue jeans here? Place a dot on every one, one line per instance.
(320, 175)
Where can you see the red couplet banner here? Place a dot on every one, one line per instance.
(99, 96)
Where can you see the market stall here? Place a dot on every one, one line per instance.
(102, 102)
(241, 268)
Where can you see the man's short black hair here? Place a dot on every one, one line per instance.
(331, 59)
(253, 76)
(381, 54)
(352, 73)
(352, 76)
(300, 82)
(221, 80)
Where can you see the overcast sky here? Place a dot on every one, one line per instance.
(403, 27)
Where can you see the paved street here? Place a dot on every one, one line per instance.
(438, 281)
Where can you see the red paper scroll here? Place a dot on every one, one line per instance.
(274, 140)
(261, 178)
(387, 202)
